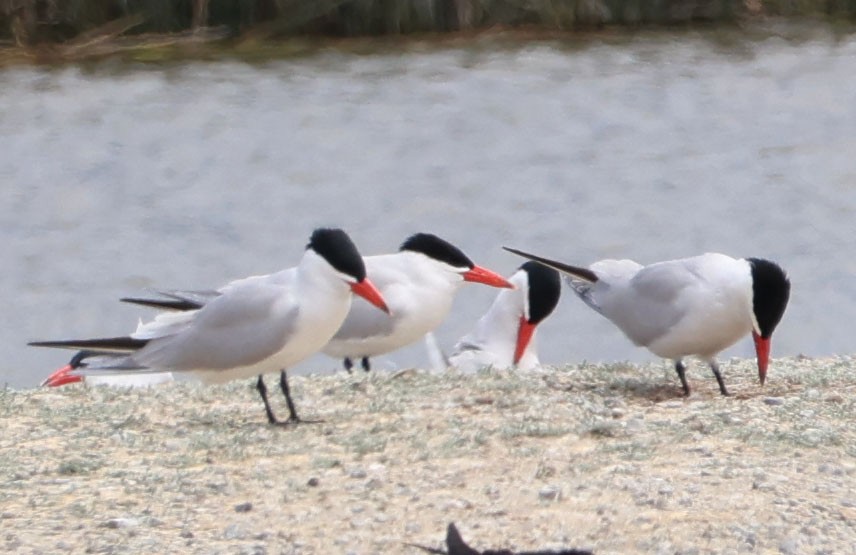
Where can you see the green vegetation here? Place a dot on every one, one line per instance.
(81, 23)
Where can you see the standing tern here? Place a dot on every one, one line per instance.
(419, 283)
(248, 327)
(690, 306)
(505, 335)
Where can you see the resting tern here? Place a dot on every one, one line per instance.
(248, 327)
(419, 284)
(505, 335)
(690, 306)
(82, 359)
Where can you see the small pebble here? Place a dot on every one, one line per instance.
(774, 400)
(550, 493)
(121, 523)
(313, 482)
(244, 507)
(789, 547)
(412, 527)
(234, 532)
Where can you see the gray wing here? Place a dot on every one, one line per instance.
(583, 289)
(649, 305)
(364, 321)
(610, 273)
(242, 327)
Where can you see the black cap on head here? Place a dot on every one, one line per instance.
(545, 287)
(438, 249)
(334, 246)
(770, 292)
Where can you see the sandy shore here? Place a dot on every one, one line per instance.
(610, 458)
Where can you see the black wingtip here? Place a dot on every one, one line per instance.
(176, 304)
(53, 344)
(575, 271)
(109, 345)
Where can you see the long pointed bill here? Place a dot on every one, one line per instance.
(61, 377)
(524, 336)
(369, 292)
(482, 275)
(762, 350)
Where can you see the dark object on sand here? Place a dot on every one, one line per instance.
(456, 546)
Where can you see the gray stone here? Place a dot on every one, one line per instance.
(234, 532)
(121, 523)
(550, 493)
(244, 507)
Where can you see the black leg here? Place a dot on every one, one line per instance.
(715, 367)
(283, 384)
(682, 374)
(262, 389)
(366, 364)
(348, 363)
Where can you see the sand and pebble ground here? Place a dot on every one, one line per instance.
(609, 458)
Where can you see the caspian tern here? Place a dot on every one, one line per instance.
(690, 306)
(419, 283)
(505, 335)
(248, 327)
(67, 375)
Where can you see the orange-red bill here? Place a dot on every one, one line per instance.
(369, 292)
(61, 377)
(482, 275)
(524, 336)
(762, 351)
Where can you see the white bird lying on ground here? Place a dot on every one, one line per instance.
(505, 335)
(66, 375)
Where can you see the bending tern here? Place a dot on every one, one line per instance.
(505, 335)
(690, 306)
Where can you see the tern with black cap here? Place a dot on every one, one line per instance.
(694, 306)
(246, 328)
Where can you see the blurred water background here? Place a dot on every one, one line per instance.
(118, 177)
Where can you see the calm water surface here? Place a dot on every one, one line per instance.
(652, 147)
